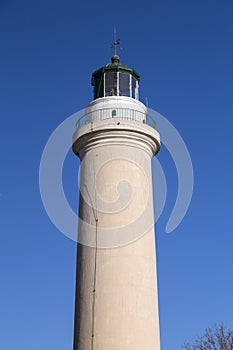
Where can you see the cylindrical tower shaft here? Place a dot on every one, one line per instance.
(116, 289)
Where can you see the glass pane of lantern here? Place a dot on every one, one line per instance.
(124, 84)
(110, 84)
(133, 87)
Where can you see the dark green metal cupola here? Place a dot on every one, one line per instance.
(115, 79)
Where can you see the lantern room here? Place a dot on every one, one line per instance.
(116, 79)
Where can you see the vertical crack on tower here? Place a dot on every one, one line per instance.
(95, 261)
(94, 285)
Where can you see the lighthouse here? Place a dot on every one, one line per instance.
(116, 303)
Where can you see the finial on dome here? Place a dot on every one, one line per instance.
(115, 59)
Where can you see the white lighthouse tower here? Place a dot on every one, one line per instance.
(116, 288)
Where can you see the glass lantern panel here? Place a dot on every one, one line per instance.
(111, 84)
(124, 85)
(133, 87)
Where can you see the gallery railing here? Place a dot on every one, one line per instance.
(118, 114)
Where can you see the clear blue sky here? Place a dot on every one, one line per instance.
(183, 51)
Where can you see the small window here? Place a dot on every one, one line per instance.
(113, 113)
